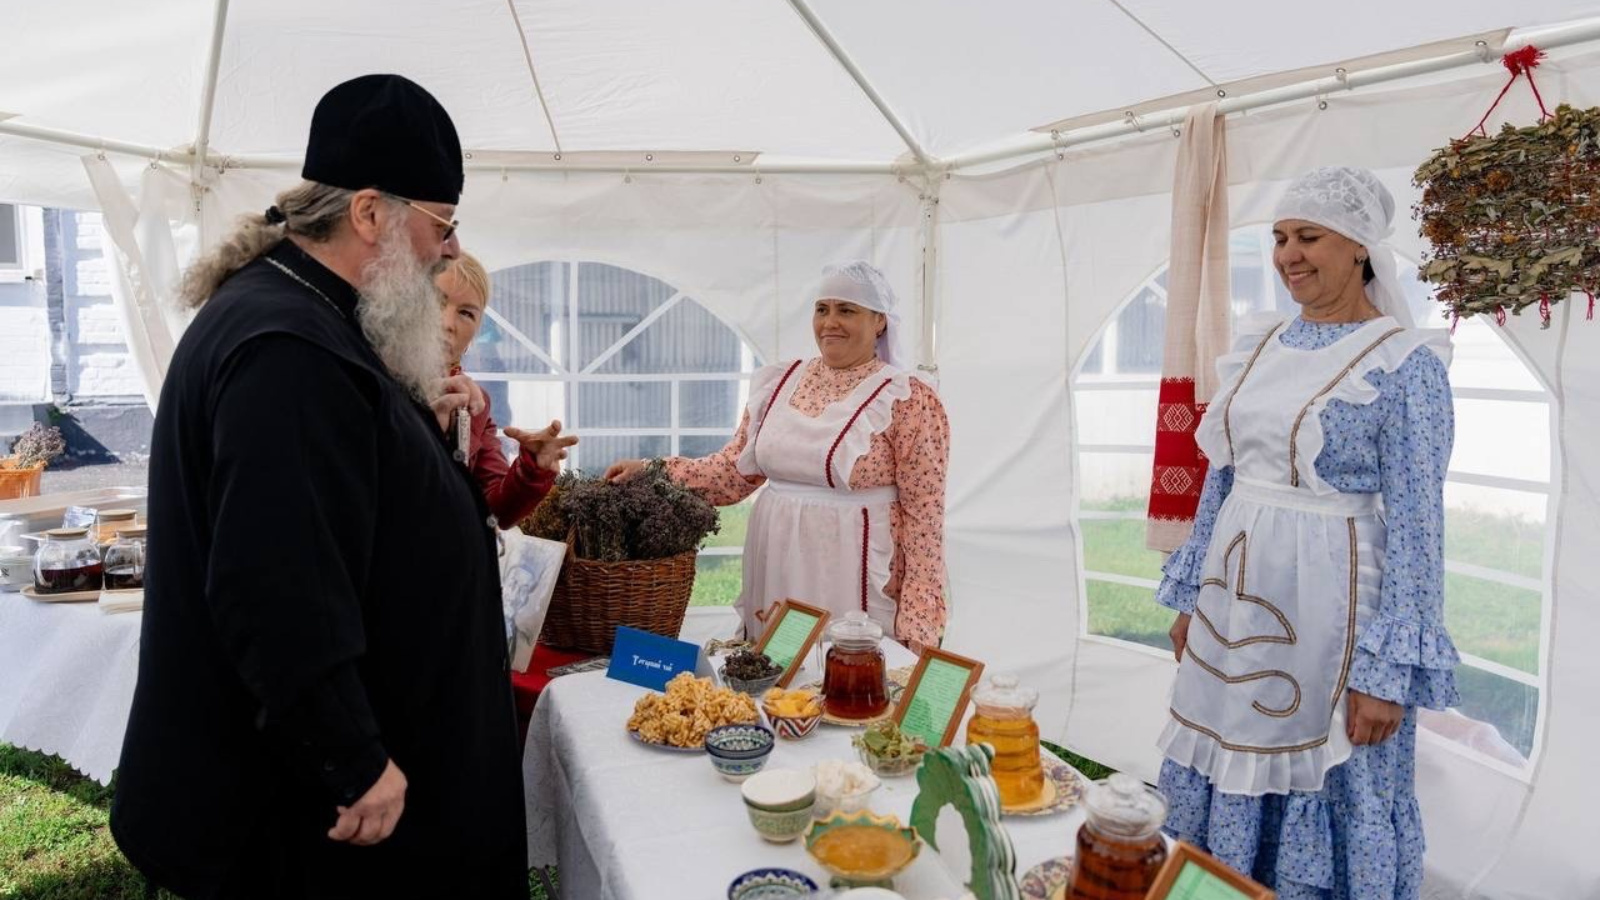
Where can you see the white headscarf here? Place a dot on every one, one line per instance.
(860, 282)
(1354, 203)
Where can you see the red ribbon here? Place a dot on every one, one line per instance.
(1500, 316)
(1519, 63)
(1591, 305)
(1544, 310)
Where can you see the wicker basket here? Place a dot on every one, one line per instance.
(592, 598)
(19, 483)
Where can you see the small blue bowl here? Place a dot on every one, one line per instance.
(771, 884)
(739, 751)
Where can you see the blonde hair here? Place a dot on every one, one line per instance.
(471, 274)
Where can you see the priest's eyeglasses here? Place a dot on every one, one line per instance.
(450, 225)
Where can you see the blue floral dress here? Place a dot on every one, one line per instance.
(1360, 836)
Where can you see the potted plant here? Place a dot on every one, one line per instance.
(20, 472)
(631, 550)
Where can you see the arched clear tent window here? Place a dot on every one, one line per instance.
(632, 364)
(1498, 499)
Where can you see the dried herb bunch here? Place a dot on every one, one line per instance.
(649, 516)
(1514, 218)
(39, 444)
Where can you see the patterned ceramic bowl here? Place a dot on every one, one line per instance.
(896, 846)
(780, 827)
(739, 751)
(793, 728)
(771, 884)
(779, 803)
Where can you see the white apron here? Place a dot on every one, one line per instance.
(812, 538)
(1292, 573)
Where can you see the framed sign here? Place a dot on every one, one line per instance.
(792, 630)
(935, 699)
(1193, 874)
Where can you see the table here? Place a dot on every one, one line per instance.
(623, 820)
(67, 672)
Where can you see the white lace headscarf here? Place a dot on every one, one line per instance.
(1354, 203)
(861, 283)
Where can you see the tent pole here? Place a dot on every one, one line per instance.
(643, 168)
(208, 97)
(826, 37)
(1545, 38)
(538, 91)
(90, 142)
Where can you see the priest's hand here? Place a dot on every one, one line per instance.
(1370, 720)
(375, 814)
(453, 393)
(625, 469)
(547, 445)
(1179, 634)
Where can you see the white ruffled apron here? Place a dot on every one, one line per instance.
(1292, 573)
(811, 538)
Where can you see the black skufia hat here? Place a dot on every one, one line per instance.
(385, 132)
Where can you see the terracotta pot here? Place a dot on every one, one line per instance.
(17, 483)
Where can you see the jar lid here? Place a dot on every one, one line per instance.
(117, 515)
(66, 534)
(135, 532)
(855, 629)
(1124, 806)
(1004, 691)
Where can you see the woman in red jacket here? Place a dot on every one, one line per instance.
(512, 489)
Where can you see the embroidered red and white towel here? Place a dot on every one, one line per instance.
(1198, 325)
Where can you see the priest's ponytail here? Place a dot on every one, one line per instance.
(309, 210)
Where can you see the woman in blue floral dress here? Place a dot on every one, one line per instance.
(1310, 595)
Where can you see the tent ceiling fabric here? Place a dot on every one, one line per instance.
(631, 75)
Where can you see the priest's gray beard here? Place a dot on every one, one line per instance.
(399, 312)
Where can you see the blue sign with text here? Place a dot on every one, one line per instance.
(650, 660)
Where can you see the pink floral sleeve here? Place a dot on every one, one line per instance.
(921, 442)
(716, 477)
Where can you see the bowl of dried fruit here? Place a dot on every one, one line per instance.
(794, 714)
(749, 672)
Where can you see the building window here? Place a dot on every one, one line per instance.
(632, 364)
(1498, 498)
(10, 236)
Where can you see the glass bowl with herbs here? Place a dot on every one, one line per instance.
(749, 672)
(887, 750)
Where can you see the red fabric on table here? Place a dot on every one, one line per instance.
(527, 686)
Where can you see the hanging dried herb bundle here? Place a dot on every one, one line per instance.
(649, 516)
(1514, 218)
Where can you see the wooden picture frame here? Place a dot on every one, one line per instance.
(1190, 872)
(941, 662)
(794, 613)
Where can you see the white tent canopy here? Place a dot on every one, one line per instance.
(730, 148)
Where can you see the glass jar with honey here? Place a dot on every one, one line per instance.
(1120, 848)
(1003, 719)
(855, 682)
(68, 562)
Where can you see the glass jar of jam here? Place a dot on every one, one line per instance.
(124, 560)
(855, 683)
(67, 563)
(1120, 848)
(1003, 719)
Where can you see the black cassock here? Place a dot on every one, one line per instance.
(322, 596)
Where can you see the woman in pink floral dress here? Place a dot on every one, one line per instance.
(853, 451)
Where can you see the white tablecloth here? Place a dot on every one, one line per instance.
(66, 680)
(625, 821)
